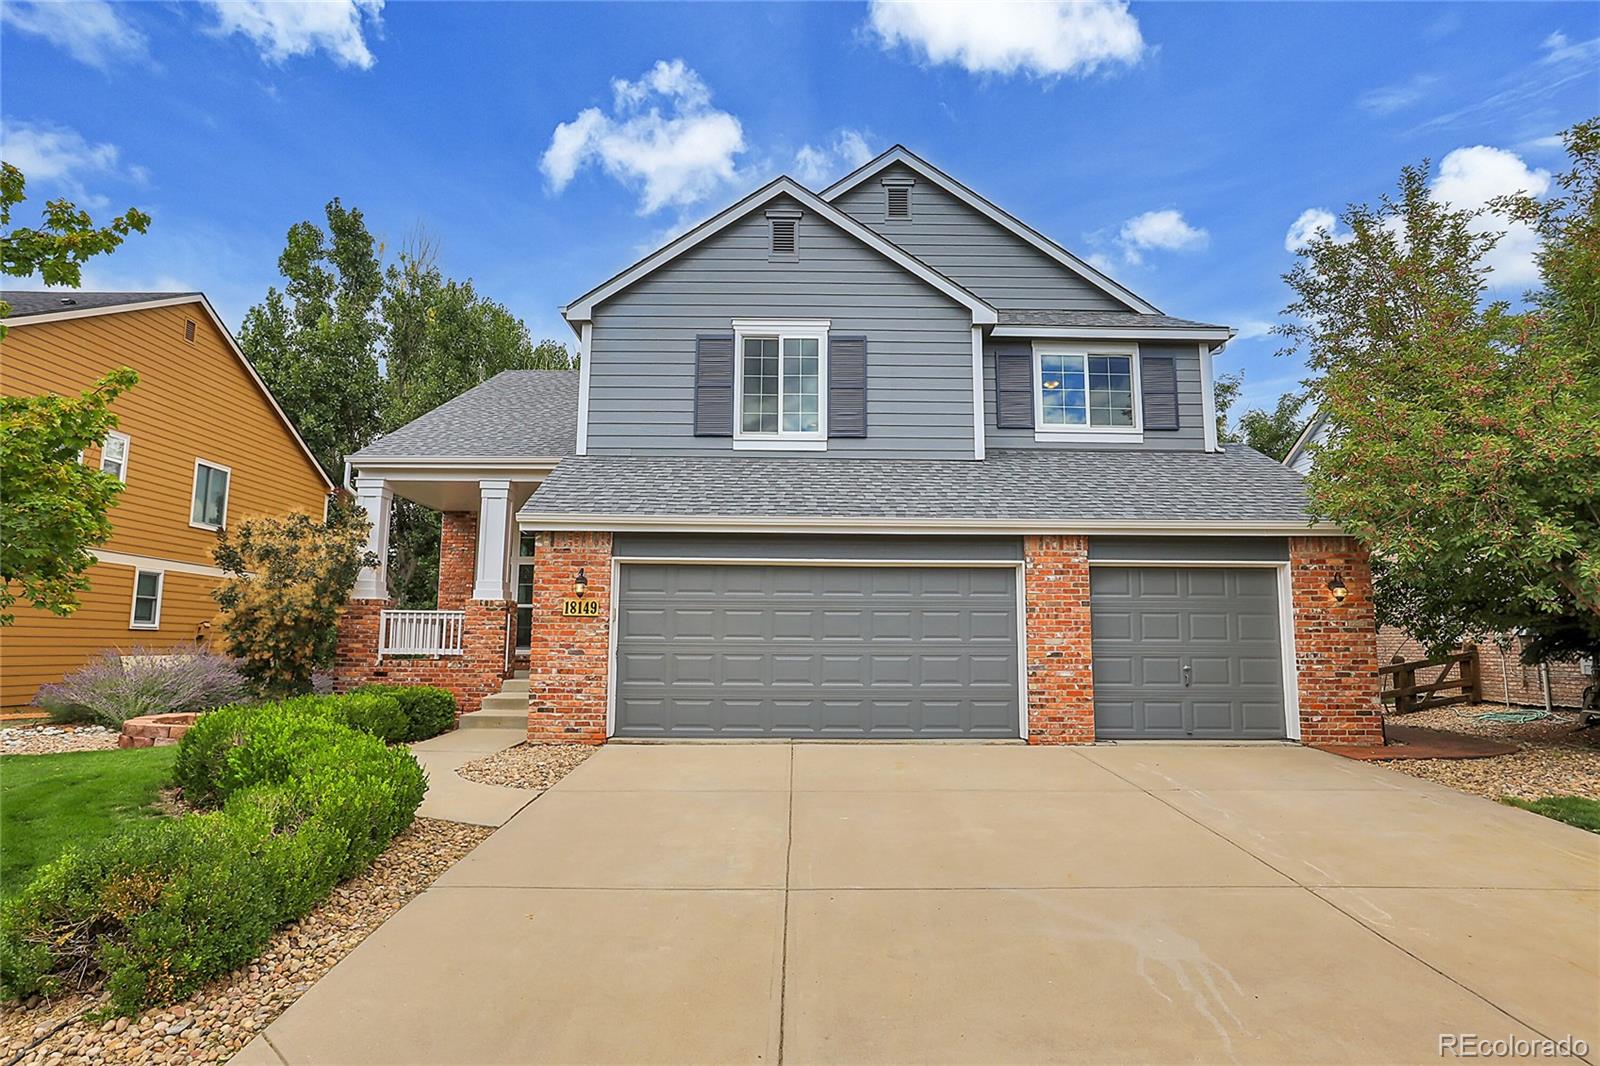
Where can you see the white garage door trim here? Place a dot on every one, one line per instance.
(1291, 690)
(619, 561)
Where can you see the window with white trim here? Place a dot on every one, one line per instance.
(1086, 389)
(146, 600)
(781, 381)
(114, 455)
(209, 509)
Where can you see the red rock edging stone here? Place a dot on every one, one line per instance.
(154, 730)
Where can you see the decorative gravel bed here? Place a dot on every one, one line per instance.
(55, 739)
(225, 1015)
(527, 765)
(1554, 757)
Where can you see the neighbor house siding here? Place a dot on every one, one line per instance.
(1189, 436)
(971, 249)
(919, 347)
(193, 400)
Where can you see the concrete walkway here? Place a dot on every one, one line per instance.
(900, 903)
(454, 798)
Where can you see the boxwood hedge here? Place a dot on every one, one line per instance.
(295, 797)
(429, 711)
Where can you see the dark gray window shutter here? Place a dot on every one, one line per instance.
(713, 385)
(1013, 384)
(1158, 380)
(847, 385)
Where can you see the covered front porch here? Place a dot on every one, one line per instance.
(479, 628)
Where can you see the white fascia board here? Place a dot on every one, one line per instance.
(216, 320)
(453, 469)
(1111, 333)
(899, 154)
(920, 526)
(582, 309)
(1303, 441)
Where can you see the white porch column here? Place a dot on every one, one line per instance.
(374, 495)
(494, 541)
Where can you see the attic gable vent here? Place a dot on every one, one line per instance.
(899, 202)
(783, 236)
(188, 330)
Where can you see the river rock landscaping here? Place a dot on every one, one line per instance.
(1554, 756)
(527, 765)
(55, 739)
(227, 1013)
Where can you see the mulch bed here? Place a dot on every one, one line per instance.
(1550, 757)
(227, 1014)
(527, 765)
(55, 739)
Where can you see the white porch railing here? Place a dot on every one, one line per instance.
(421, 632)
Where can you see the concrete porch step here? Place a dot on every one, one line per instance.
(506, 701)
(517, 685)
(497, 717)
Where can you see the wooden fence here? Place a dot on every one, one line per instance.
(1410, 689)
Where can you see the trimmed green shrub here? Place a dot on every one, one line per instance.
(430, 711)
(305, 801)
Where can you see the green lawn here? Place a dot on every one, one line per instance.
(1574, 810)
(50, 801)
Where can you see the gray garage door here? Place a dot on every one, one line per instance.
(1186, 653)
(816, 651)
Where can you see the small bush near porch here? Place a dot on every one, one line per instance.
(50, 802)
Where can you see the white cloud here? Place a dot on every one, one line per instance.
(1559, 48)
(817, 166)
(61, 157)
(1311, 221)
(1043, 38)
(91, 31)
(1165, 231)
(1388, 99)
(284, 29)
(1102, 262)
(1469, 178)
(663, 137)
(1251, 328)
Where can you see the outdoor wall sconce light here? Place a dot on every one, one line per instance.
(580, 584)
(1336, 586)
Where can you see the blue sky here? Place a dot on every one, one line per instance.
(544, 146)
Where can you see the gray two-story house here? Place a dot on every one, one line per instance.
(879, 461)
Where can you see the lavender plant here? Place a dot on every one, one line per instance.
(122, 685)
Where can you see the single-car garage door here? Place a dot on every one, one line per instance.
(1186, 652)
(816, 651)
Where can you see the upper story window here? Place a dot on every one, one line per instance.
(114, 455)
(781, 380)
(210, 502)
(1086, 390)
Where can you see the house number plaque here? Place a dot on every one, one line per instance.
(572, 607)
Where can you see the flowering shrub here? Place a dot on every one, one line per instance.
(118, 686)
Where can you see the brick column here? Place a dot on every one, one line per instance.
(477, 672)
(357, 649)
(568, 658)
(1335, 644)
(1060, 692)
(458, 551)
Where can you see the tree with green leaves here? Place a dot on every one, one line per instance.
(316, 343)
(56, 509)
(1273, 432)
(56, 250)
(1465, 446)
(1225, 393)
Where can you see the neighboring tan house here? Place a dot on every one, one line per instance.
(200, 444)
(879, 461)
(1504, 676)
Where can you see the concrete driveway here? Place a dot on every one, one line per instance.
(977, 903)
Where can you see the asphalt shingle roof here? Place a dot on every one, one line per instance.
(1048, 486)
(517, 414)
(49, 302)
(1098, 319)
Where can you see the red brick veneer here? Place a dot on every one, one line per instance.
(1060, 693)
(458, 554)
(568, 657)
(475, 673)
(1335, 644)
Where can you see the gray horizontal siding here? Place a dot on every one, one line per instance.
(1190, 436)
(1189, 549)
(973, 250)
(821, 546)
(919, 343)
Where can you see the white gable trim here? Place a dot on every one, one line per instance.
(582, 309)
(233, 345)
(1306, 438)
(926, 170)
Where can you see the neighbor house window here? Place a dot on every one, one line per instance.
(782, 380)
(210, 507)
(146, 600)
(1080, 389)
(114, 455)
